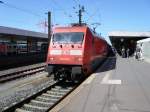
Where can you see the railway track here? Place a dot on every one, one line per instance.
(44, 100)
(12, 74)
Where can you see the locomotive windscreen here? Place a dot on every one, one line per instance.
(68, 37)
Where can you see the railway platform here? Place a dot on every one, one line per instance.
(119, 85)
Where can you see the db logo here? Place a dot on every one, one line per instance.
(66, 52)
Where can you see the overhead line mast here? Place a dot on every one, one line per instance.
(49, 25)
(81, 9)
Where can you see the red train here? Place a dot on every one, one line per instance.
(74, 52)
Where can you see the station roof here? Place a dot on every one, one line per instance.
(21, 32)
(144, 40)
(126, 39)
(125, 34)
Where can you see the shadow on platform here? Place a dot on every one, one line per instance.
(108, 65)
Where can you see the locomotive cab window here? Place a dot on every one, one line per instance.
(71, 37)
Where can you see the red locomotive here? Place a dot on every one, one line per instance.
(74, 52)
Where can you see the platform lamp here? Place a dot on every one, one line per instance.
(121, 39)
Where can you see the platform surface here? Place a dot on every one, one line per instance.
(124, 87)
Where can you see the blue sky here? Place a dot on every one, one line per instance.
(124, 15)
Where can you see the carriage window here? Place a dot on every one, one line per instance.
(73, 37)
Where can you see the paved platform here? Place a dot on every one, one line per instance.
(121, 85)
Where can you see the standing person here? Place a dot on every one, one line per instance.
(128, 51)
(141, 52)
(123, 52)
(138, 52)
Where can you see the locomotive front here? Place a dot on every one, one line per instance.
(65, 54)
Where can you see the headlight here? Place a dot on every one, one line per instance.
(75, 52)
(80, 59)
(55, 52)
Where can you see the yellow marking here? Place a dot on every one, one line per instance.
(90, 79)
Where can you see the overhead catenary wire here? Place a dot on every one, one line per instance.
(90, 16)
(96, 11)
(65, 13)
(94, 24)
(85, 11)
(20, 9)
(77, 2)
(1, 2)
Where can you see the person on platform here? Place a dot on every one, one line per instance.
(123, 52)
(139, 54)
(128, 51)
